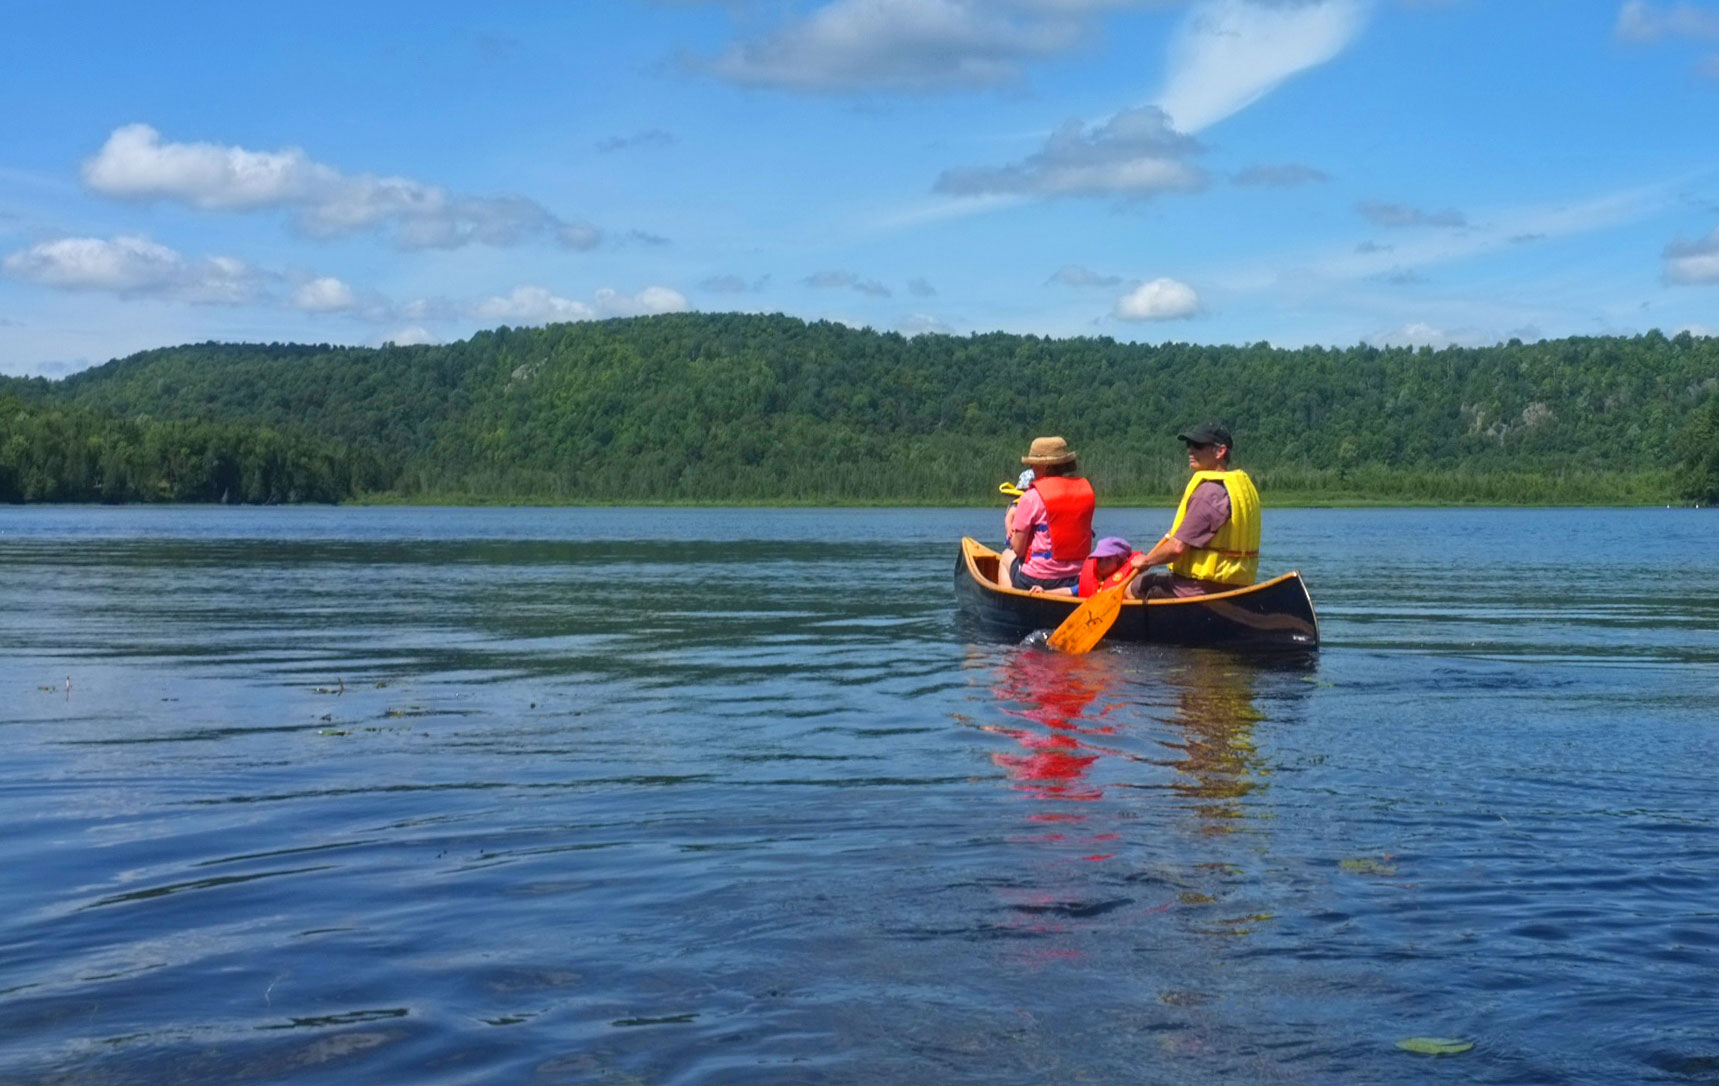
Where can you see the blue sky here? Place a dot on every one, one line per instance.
(1217, 171)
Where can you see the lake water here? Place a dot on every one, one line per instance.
(729, 796)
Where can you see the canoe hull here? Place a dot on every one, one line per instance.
(1272, 615)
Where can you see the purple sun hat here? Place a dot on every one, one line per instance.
(1113, 546)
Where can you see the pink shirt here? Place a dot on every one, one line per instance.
(1031, 515)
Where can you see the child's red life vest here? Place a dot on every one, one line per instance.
(1089, 582)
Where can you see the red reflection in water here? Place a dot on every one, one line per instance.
(1203, 711)
(1054, 692)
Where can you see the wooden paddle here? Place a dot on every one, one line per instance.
(1090, 621)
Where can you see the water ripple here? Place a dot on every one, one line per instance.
(712, 796)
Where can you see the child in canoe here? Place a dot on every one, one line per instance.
(1109, 565)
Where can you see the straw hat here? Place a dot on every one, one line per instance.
(1047, 451)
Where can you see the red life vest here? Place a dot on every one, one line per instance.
(1069, 502)
(1089, 582)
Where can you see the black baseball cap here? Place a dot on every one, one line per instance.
(1207, 433)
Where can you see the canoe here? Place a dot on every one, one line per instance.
(1271, 615)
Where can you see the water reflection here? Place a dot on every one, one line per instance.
(1215, 714)
(1137, 763)
(1078, 711)
(1056, 694)
(681, 804)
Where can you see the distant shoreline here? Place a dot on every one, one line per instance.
(1293, 501)
(468, 502)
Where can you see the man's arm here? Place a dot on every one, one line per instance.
(1166, 551)
(1207, 512)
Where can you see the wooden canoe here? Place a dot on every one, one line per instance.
(1270, 615)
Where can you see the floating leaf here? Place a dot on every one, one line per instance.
(1364, 866)
(1252, 918)
(1184, 999)
(1435, 1046)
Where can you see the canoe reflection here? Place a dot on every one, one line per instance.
(1215, 714)
(1136, 763)
(1078, 710)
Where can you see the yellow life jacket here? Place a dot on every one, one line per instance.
(1232, 557)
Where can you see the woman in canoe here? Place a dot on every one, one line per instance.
(1050, 534)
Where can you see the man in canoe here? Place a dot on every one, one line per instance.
(1050, 534)
(1213, 544)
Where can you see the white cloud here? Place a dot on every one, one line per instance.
(906, 45)
(613, 303)
(536, 305)
(1135, 153)
(1645, 22)
(1159, 300)
(825, 280)
(921, 324)
(412, 336)
(940, 209)
(1394, 215)
(532, 305)
(135, 164)
(1497, 229)
(428, 309)
(733, 284)
(1421, 334)
(1231, 53)
(1279, 176)
(123, 264)
(1693, 261)
(325, 295)
(645, 238)
(130, 265)
(1227, 55)
(1415, 334)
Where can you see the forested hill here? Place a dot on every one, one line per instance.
(729, 407)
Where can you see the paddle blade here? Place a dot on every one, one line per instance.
(1090, 621)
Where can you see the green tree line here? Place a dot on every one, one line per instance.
(732, 407)
(51, 452)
